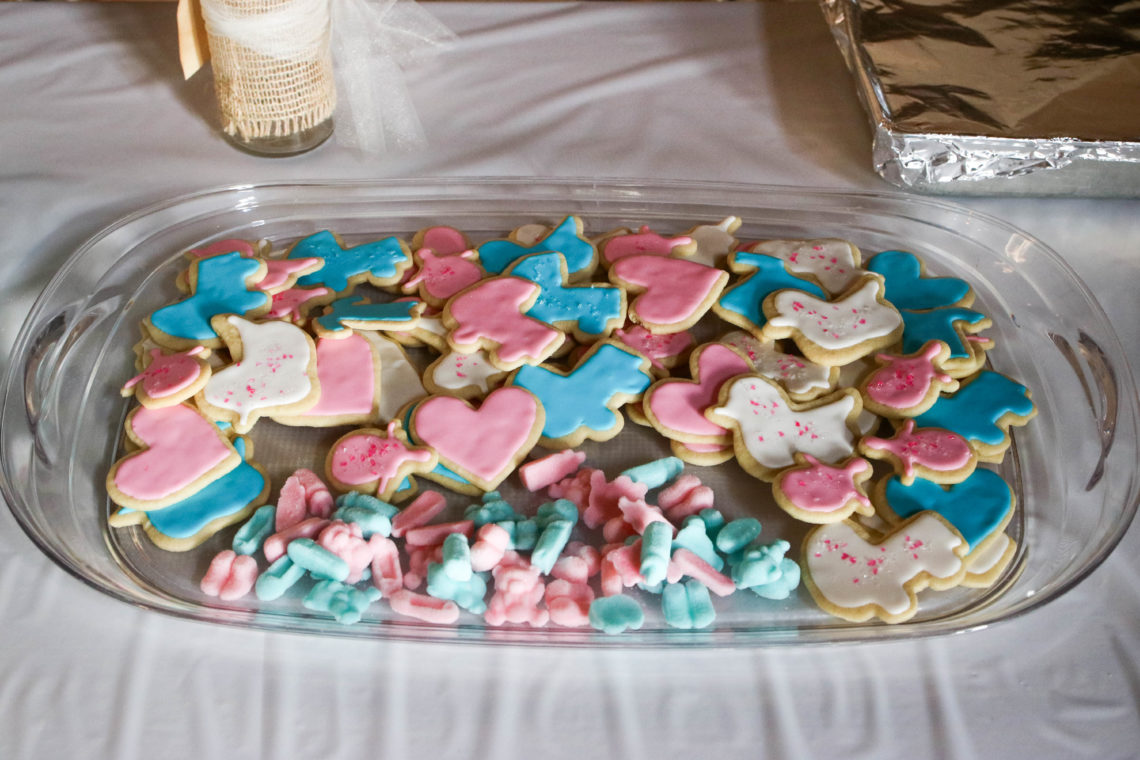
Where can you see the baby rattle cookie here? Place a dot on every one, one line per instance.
(908, 385)
(169, 379)
(375, 461)
(815, 492)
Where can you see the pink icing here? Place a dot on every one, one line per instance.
(932, 448)
(278, 271)
(822, 487)
(444, 276)
(492, 311)
(655, 347)
(676, 291)
(905, 381)
(680, 404)
(166, 375)
(288, 303)
(485, 442)
(180, 447)
(368, 458)
(643, 242)
(444, 240)
(243, 247)
(346, 374)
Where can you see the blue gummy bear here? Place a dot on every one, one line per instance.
(457, 557)
(467, 594)
(737, 534)
(550, 543)
(277, 579)
(346, 603)
(759, 565)
(656, 549)
(616, 614)
(694, 537)
(781, 587)
(560, 509)
(251, 535)
(656, 473)
(371, 514)
(713, 520)
(687, 605)
(318, 560)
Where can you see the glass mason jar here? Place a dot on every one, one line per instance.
(273, 73)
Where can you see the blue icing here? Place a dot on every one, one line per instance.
(497, 255)
(906, 288)
(228, 494)
(379, 259)
(976, 507)
(974, 410)
(355, 308)
(746, 298)
(220, 289)
(922, 326)
(580, 398)
(594, 308)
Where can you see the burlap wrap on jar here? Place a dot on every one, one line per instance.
(273, 70)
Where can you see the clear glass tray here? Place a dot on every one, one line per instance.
(1073, 467)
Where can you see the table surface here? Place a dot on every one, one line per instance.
(96, 122)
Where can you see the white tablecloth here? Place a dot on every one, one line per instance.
(96, 122)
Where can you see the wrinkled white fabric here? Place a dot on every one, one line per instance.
(96, 123)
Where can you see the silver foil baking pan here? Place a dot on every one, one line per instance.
(986, 97)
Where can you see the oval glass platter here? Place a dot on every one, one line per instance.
(1072, 468)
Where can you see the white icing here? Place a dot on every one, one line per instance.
(273, 371)
(982, 561)
(714, 240)
(835, 325)
(850, 572)
(772, 432)
(455, 371)
(796, 374)
(830, 260)
(399, 378)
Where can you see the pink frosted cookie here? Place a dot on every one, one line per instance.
(349, 378)
(483, 445)
(491, 316)
(625, 242)
(445, 263)
(169, 379)
(769, 429)
(906, 386)
(663, 351)
(856, 576)
(274, 371)
(930, 453)
(179, 453)
(815, 492)
(675, 407)
(834, 332)
(376, 461)
(669, 295)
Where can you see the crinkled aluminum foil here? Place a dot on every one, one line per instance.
(1032, 97)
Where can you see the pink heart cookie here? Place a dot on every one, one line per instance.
(673, 293)
(482, 445)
